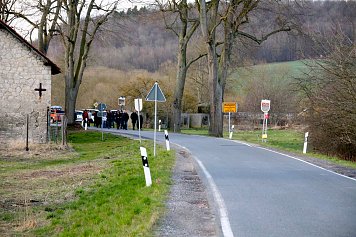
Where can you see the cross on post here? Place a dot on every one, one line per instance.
(40, 90)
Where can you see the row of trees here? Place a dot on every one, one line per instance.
(77, 22)
(224, 30)
(138, 40)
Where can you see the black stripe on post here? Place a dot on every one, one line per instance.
(145, 161)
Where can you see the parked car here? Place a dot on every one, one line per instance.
(78, 116)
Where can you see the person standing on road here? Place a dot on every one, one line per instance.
(125, 118)
(134, 118)
(86, 118)
(118, 119)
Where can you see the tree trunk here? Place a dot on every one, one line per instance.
(184, 33)
(71, 93)
(70, 101)
(208, 31)
(180, 82)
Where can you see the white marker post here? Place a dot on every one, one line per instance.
(305, 142)
(167, 140)
(159, 125)
(231, 131)
(146, 167)
(86, 124)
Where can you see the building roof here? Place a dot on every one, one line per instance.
(54, 68)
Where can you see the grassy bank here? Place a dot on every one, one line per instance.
(285, 140)
(98, 189)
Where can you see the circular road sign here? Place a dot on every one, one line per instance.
(101, 107)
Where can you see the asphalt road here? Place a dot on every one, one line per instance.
(263, 193)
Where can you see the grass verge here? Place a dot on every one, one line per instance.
(285, 140)
(98, 190)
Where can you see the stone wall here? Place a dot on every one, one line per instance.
(21, 71)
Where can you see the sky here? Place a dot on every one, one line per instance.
(23, 27)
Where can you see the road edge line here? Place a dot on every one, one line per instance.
(295, 158)
(224, 217)
(223, 213)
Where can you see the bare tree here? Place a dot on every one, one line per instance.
(42, 16)
(182, 22)
(79, 25)
(232, 16)
(6, 7)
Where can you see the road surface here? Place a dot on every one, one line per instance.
(260, 192)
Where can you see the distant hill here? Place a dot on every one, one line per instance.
(138, 38)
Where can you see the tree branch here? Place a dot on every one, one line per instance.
(263, 38)
(196, 59)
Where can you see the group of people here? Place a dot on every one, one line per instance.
(120, 118)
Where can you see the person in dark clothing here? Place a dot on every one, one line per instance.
(86, 118)
(108, 119)
(134, 118)
(125, 118)
(96, 119)
(118, 119)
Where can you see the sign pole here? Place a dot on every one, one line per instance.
(154, 134)
(155, 95)
(266, 118)
(139, 126)
(138, 108)
(263, 128)
(27, 121)
(229, 121)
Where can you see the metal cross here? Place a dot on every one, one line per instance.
(40, 90)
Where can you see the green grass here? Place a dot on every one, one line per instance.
(119, 204)
(110, 197)
(285, 140)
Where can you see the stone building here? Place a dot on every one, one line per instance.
(25, 88)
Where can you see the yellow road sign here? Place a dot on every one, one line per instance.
(229, 107)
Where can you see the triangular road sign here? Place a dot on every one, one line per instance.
(156, 94)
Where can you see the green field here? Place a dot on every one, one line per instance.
(267, 76)
(97, 189)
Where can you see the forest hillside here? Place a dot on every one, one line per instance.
(135, 46)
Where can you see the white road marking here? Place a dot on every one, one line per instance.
(295, 158)
(224, 217)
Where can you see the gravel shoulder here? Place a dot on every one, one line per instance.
(189, 211)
